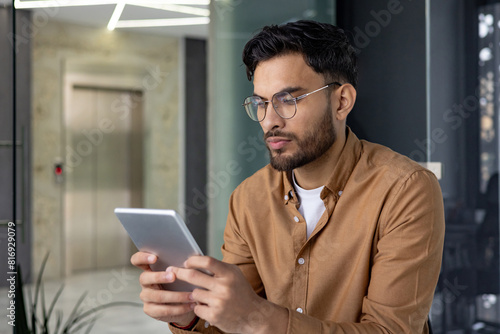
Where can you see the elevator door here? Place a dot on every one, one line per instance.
(103, 171)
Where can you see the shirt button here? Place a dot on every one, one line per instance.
(300, 310)
(207, 324)
(286, 197)
(296, 219)
(340, 193)
(301, 260)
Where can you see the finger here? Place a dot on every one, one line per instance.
(193, 276)
(201, 296)
(161, 311)
(207, 263)
(165, 297)
(144, 267)
(203, 312)
(143, 260)
(148, 278)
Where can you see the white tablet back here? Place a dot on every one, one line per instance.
(162, 233)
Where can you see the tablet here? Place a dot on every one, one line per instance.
(164, 234)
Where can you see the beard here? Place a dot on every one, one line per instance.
(315, 143)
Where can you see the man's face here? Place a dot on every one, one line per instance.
(295, 142)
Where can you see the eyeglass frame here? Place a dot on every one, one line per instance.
(295, 99)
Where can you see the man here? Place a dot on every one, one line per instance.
(336, 235)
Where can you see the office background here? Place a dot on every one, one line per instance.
(152, 117)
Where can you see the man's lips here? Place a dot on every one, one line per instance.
(277, 143)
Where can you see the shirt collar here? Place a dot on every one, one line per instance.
(341, 172)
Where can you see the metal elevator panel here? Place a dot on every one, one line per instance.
(103, 171)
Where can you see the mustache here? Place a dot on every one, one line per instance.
(279, 133)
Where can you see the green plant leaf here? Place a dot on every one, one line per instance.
(59, 316)
(89, 323)
(34, 319)
(80, 318)
(54, 300)
(45, 320)
(74, 314)
(104, 306)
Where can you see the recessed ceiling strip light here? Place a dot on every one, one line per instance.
(162, 22)
(116, 16)
(75, 3)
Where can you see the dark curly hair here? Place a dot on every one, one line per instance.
(325, 47)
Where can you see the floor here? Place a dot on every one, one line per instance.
(102, 287)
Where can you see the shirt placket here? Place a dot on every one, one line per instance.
(300, 280)
(301, 267)
(302, 249)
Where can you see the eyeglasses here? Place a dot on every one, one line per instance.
(284, 104)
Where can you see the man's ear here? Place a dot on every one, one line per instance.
(346, 97)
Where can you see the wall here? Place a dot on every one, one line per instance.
(391, 104)
(148, 62)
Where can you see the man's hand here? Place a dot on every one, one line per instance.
(226, 299)
(168, 306)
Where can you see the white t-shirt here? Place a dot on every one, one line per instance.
(311, 205)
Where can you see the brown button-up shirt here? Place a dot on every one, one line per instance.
(371, 264)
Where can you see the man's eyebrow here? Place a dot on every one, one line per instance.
(290, 89)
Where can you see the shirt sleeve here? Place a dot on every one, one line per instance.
(405, 268)
(235, 251)
(202, 326)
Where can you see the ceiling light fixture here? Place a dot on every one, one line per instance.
(116, 16)
(78, 3)
(162, 22)
(180, 6)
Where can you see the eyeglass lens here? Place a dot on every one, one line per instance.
(283, 103)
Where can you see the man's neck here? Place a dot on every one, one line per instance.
(316, 174)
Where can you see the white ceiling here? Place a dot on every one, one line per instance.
(99, 16)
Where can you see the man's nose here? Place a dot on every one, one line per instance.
(272, 119)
